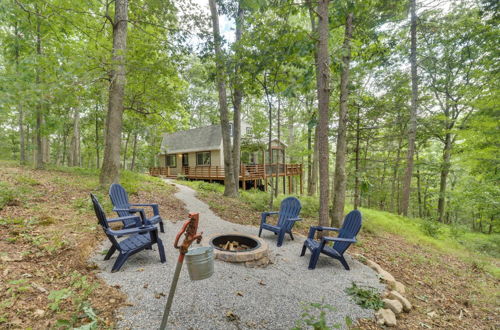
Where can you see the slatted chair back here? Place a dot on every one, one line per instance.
(119, 198)
(350, 228)
(289, 209)
(101, 216)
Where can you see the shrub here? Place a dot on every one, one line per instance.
(431, 228)
(365, 297)
(7, 196)
(212, 187)
(258, 200)
(456, 231)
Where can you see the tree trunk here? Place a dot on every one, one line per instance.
(419, 188)
(124, 165)
(276, 187)
(357, 194)
(237, 99)
(39, 163)
(111, 163)
(45, 145)
(74, 155)
(313, 186)
(394, 184)
(382, 188)
(315, 165)
(323, 81)
(98, 160)
(309, 157)
(230, 184)
(445, 170)
(134, 152)
(340, 175)
(64, 147)
(22, 148)
(412, 128)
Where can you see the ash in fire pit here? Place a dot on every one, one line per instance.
(239, 247)
(235, 243)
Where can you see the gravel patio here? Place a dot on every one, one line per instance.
(235, 297)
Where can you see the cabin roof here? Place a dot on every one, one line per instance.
(196, 139)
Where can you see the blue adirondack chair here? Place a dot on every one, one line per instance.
(138, 239)
(123, 208)
(287, 216)
(347, 236)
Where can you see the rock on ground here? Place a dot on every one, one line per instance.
(386, 316)
(394, 305)
(396, 295)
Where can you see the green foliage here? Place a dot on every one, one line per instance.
(212, 187)
(57, 297)
(23, 179)
(257, 199)
(314, 317)
(365, 297)
(93, 324)
(7, 195)
(18, 286)
(431, 228)
(469, 246)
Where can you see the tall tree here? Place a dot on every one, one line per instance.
(74, 154)
(114, 120)
(339, 180)
(412, 127)
(230, 184)
(237, 98)
(449, 54)
(40, 139)
(323, 83)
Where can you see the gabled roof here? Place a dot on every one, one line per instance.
(197, 139)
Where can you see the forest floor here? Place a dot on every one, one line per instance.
(47, 232)
(447, 288)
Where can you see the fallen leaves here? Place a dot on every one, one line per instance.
(231, 317)
(159, 295)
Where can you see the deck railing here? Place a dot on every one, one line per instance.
(247, 172)
(159, 171)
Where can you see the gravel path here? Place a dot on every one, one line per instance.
(259, 298)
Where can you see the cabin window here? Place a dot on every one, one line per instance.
(185, 160)
(170, 161)
(203, 158)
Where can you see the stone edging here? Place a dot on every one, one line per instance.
(394, 301)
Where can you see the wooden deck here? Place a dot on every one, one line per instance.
(257, 175)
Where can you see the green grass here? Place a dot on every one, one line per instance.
(480, 249)
(474, 247)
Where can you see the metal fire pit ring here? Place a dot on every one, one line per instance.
(255, 253)
(243, 239)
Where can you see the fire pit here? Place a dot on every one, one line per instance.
(240, 248)
(234, 243)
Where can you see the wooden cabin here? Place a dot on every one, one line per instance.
(197, 154)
